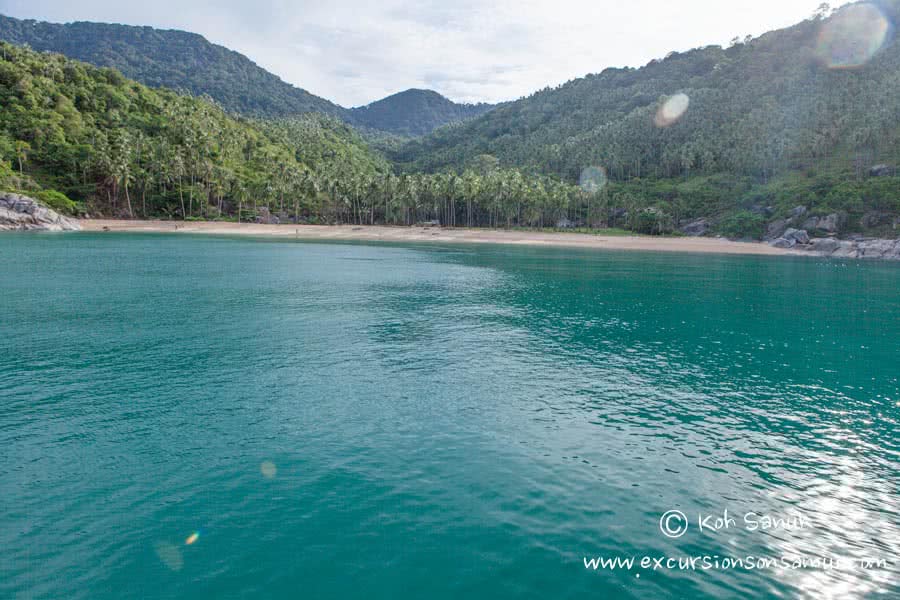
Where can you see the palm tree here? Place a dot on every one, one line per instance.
(22, 150)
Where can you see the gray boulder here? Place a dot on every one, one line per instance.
(783, 243)
(799, 236)
(19, 212)
(265, 217)
(695, 228)
(824, 245)
(847, 249)
(832, 223)
(877, 248)
(797, 212)
(775, 229)
(766, 211)
(874, 218)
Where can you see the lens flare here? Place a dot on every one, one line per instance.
(672, 110)
(268, 469)
(593, 179)
(852, 36)
(192, 538)
(170, 555)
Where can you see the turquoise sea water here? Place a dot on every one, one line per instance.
(341, 421)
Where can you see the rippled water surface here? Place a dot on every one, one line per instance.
(209, 418)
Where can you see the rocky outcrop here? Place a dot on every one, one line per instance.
(863, 248)
(824, 245)
(695, 228)
(777, 228)
(791, 238)
(881, 171)
(874, 218)
(797, 212)
(830, 224)
(266, 218)
(23, 213)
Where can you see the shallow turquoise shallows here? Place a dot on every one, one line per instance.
(199, 417)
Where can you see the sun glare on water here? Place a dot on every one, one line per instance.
(268, 469)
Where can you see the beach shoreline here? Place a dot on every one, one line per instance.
(380, 233)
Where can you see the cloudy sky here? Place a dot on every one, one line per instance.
(357, 51)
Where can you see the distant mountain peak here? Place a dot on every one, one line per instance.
(183, 60)
(415, 112)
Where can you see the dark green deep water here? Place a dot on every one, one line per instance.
(442, 422)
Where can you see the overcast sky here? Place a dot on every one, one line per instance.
(357, 51)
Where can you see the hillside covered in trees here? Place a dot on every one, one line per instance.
(799, 126)
(129, 150)
(86, 139)
(174, 59)
(415, 113)
(185, 61)
(800, 116)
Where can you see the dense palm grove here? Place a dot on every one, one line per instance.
(122, 149)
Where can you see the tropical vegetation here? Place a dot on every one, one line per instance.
(187, 62)
(738, 137)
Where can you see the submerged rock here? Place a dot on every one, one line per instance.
(19, 212)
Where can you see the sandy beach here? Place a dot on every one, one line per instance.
(436, 234)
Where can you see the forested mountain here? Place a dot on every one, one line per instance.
(812, 107)
(414, 113)
(174, 59)
(799, 126)
(763, 105)
(86, 139)
(187, 61)
(129, 150)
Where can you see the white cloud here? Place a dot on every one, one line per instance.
(354, 51)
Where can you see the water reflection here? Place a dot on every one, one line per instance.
(498, 414)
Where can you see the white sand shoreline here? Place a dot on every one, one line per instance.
(443, 235)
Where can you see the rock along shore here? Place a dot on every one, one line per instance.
(21, 213)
